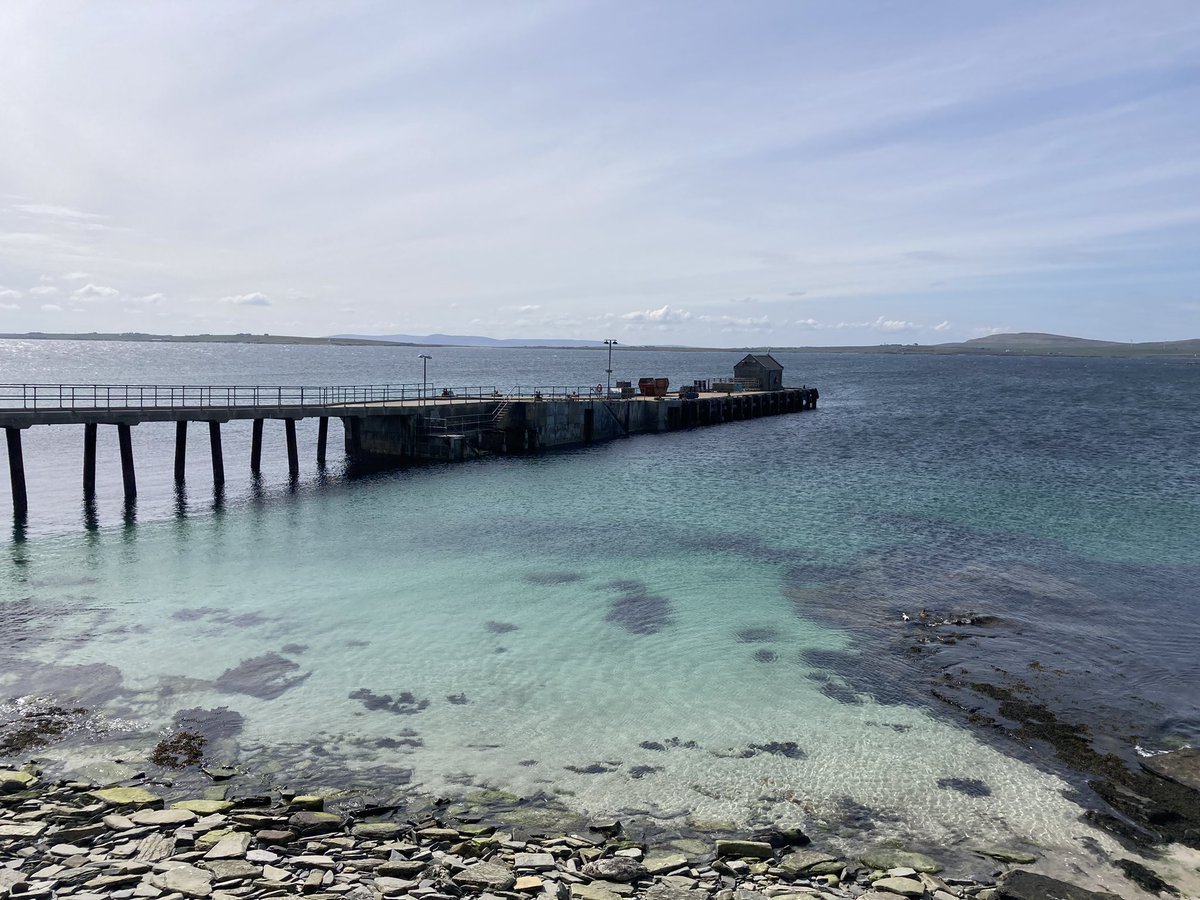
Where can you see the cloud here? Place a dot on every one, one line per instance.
(9, 306)
(92, 292)
(944, 325)
(736, 323)
(75, 276)
(147, 300)
(664, 315)
(9, 294)
(51, 307)
(43, 289)
(253, 299)
(56, 212)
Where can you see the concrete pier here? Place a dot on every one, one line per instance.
(382, 425)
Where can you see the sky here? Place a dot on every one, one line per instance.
(748, 173)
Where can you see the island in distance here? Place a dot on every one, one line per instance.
(1017, 344)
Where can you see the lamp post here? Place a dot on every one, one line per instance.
(610, 344)
(424, 358)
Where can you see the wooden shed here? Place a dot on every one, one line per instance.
(763, 368)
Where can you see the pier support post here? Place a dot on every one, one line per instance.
(218, 460)
(128, 477)
(16, 472)
(293, 455)
(322, 439)
(256, 446)
(180, 450)
(89, 460)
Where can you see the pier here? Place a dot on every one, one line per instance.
(382, 424)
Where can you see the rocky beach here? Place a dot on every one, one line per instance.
(84, 841)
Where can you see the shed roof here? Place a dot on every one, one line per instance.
(766, 360)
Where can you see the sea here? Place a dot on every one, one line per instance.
(724, 627)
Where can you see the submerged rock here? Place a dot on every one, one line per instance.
(1180, 766)
(886, 858)
(265, 677)
(1021, 885)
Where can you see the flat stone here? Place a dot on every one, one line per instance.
(261, 856)
(117, 822)
(616, 887)
(163, 817)
(204, 807)
(186, 880)
(11, 782)
(276, 874)
(309, 822)
(671, 892)
(592, 892)
(751, 849)
(314, 861)
(376, 830)
(905, 887)
(1004, 854)
(885, 858)
(805, 860)
(155, 847)
(68, 850)
(1020, 885)
(438, 834)
(24, 831)
(659, 863)
(902, 872)
(231, 846)
(1180, 766)
(223, 869)
(389, 887)
(401, 868)
(486, 876)
(539, 862)
(307, 801)
(528, 884)
(137, 797)
(275, 837)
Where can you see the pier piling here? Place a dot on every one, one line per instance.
(322, 439)
(218, 460)
(89, 460)
(180, 450)
(16, 472)
(128, 476)
(293, 455)
(256, 447)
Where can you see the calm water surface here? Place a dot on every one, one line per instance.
(681, 625)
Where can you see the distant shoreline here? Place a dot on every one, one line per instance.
(1001, 345)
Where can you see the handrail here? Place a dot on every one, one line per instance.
(211, 396)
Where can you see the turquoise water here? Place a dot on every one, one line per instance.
(642, 626)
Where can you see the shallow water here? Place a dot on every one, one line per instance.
(680, 624)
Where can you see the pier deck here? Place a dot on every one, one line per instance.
(386, 424)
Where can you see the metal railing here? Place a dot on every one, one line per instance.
(196, 396)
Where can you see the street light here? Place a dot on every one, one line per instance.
(424, 358)
(610, 344)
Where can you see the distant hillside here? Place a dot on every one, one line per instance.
(243, 338)
(1036, 343)
(467, 340)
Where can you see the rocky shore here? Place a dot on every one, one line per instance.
(83, 841)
